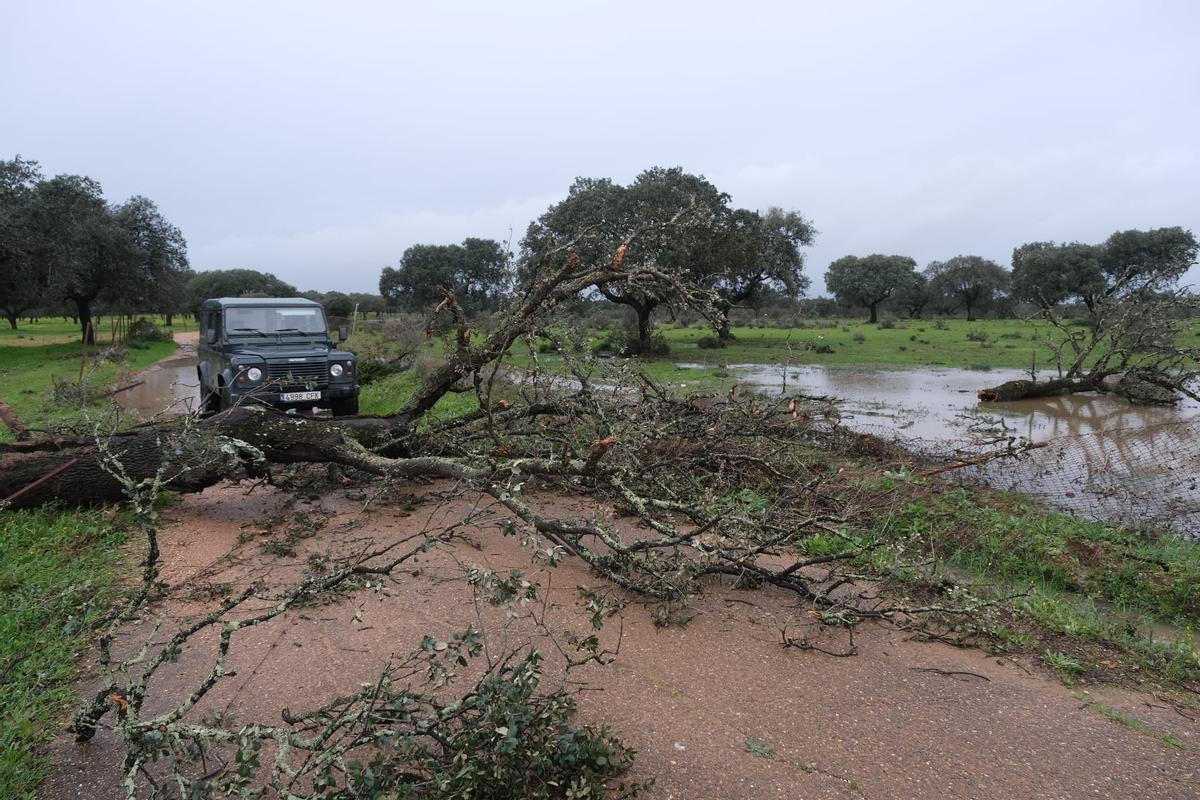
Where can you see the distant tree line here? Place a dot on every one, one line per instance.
(65, 249)
(1043, 275)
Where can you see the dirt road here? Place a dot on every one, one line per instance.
(716, 708)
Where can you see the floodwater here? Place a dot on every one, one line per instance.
(1099, 456)
(170, 387)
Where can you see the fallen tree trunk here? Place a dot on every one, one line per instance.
(1030, 389)
(189, 455)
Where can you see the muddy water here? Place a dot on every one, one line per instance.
(170, 387)
(1103, 457)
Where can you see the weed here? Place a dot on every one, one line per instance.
(1063, 664)
(1134, 724)
(759, 747)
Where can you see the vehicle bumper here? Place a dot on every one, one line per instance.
(273, 396)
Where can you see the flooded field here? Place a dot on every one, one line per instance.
(1103, 458)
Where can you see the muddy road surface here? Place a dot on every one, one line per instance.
(716, 708)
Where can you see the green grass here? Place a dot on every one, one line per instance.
(56, 329)
(27, 375)
(388, 394)
(1086, 587)
(985, 344)
(1014, 541)
(1009, 343)
(57, 579)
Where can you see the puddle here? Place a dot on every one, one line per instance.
(1104, 457)
(170, 387)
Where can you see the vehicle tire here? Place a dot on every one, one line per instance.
(344, 406)
(210, 401)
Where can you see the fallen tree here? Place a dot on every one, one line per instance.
(1132, 339)
(1133, 345)
(741, 491)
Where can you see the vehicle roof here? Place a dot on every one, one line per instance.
(259, 302)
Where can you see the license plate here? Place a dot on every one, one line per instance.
(292, 397)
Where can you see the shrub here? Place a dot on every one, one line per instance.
(1012, 335)
(143, 330)
(624, 342)
(710, 343)
(941, 325)
(977, 335)
(887, 324)
(860, 337)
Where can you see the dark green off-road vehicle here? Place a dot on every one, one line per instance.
(275, 351)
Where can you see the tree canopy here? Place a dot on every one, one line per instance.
(60, 239)
(477, 271)
(756, 252)
(19, 285)
(236, 283)
(1047, 273)
(869, 280)
(969, 282)
(733, 252)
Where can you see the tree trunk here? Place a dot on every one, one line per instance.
(643, 322)
(12, 319)
(723, 332)
(88, 329)
(874, 317)
(70, 469)
(168, 316)
(1029, 389)
(970, 313)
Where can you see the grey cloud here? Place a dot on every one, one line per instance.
(319, 140)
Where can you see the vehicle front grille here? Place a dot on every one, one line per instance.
(315, 373)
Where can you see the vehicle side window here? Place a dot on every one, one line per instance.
(209, 320)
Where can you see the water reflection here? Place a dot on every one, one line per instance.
(1105, 458)
(170, 387)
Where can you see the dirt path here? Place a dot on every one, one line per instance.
(901, 719)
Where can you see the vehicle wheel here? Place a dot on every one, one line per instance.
(344, 407)
(210, 401)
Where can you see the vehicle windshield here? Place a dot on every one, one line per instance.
(297, 321)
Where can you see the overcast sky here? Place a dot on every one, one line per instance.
(319, 140)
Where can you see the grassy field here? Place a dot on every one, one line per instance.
(58, 569)
(1111, 601)
(911, 343)
(29, 372)
(56, 330)
(58, 577)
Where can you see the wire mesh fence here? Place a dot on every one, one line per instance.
(1132, 475)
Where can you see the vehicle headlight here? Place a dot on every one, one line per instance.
(254, 374)
(336, 370)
